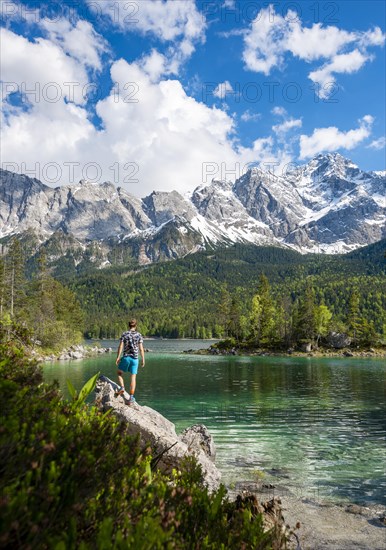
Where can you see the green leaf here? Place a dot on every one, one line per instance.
(88, 388)
(71, 389)
(148, 472)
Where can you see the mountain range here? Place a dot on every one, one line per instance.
(327, 205)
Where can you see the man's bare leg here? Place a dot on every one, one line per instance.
(133, 383)
(120, 382)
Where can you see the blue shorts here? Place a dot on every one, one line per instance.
(128, 364)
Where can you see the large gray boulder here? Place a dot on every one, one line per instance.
(198, 438)
(159, 433)
(338, 340)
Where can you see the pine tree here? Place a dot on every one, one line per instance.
(306, 314)
(263, 314)
(53, 311)
(2, 285)
(225, 309)
(234, 323)
(255, 319)
(42, 315)
(353, 318)
(323, 318)
(16, 281)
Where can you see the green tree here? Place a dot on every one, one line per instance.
(323, 318)
(368, 334)
(16, 281)
(263, 314)
(306, 314)
(353, 318)
(54, 313)
(2, 285)
(234, 321)
(225, 309)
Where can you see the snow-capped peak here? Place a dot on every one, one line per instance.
(327, 204)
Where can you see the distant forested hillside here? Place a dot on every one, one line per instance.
(183, 298)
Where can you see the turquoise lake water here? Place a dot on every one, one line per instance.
(316, 426)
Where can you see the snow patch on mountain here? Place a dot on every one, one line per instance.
(379, 199)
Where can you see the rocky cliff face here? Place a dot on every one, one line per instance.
(326, 205)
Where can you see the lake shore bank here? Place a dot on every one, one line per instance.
(324, 524)
(372, 352)
(331, 526)
(74, 352)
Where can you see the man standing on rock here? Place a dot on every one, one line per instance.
(131, 342)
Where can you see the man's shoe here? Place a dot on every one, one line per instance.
(132, 399)
(119, 392)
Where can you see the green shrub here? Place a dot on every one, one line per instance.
(71, 478)
(226, 344)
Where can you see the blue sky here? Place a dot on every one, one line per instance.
(166, 94)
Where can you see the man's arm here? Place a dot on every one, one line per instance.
(142, 352)
(120, 348)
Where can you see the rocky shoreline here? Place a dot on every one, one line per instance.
(322, 523)
(326, 525)
(371, 352)
(317, 524)
(72, 353)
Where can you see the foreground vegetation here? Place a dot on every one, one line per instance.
(71, 478)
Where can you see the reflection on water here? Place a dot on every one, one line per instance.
(314, 425)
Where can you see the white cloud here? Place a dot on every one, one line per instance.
(280, 111)
(284, 127)
(341, 63)
(223, 90)
(168, 20)
(168, 134)
(178, 23)
(51, 67)
(232, 32)
(271, 36)
(332, 139)
(263, 49)
(154, 65)
(374, 37)
(41, 69)
(248, 116)
(75, 36)
(265, 153)
(378, 144)
(316, 42)
(156, 126)
(288, 123)
(368, 119)
(78, 40)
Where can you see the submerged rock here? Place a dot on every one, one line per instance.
(76, 355)
(158, 432)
